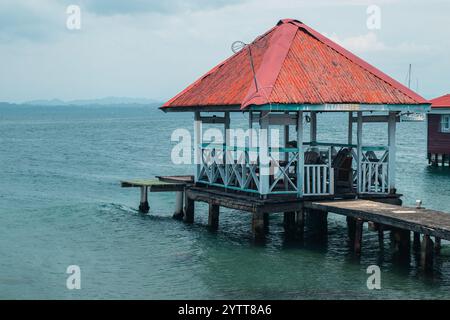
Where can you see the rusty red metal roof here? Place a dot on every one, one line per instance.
(294, 64)
(441, 102)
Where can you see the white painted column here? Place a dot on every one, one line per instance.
(313, 128)
(301, 156)
(350, 128)
(392, 150)
(286, 154)
(359, 148)
(286, 138)
(227, 156)
(264, 160)
(197, 142)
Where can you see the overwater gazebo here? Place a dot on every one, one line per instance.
(283, 79)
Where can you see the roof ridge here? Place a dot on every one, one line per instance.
(361, 63)
(271, 64)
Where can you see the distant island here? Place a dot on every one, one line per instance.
(107, 101)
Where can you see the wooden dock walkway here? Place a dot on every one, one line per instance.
(424, 221)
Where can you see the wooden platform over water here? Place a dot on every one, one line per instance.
(424, 221)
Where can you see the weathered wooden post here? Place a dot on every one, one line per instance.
(426, 254)
(437, 244)
(359, 224)
(143, 205)
(351, 224)
(189, 208)
(416, 241)
(179, 200)
(258, 225)
(401, 240)
(300, 223)
(289, 222)
(381, 237)
(213, 216)
(317, 222)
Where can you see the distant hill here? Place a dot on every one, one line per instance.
(108, 101)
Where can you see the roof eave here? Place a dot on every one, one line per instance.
(421, 108)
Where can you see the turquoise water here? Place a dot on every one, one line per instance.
(61, 204)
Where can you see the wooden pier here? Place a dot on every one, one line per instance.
(381, 212)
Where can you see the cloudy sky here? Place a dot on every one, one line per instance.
(153, 49)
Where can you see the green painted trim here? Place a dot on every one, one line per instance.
(375, 148)
(342, 107)
(211, 146)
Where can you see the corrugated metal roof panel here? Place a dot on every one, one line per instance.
(294, 65)
(441, 102)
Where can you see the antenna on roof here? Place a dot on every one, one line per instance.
(238, 46)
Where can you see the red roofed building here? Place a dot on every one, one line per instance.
(283, 79)
(439, 131)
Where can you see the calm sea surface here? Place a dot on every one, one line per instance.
(61, 204)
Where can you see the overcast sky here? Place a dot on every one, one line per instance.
(153, 49)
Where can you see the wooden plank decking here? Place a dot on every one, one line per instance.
(425, 221)
(153, 185)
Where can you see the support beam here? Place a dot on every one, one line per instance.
(392, 151)
(437, 244)
(401, 240)
(359, 224)
(264, 160)
(317, 223)
(213, 216)
(416, 241)
(313, 128)
(286, 154)
(197, 143)
(380, 237)
(359, 150)
(143, 205)
(189, 208)
(351, 225)
(350, 128)
(179, 200)
(427, 254)
(289, 222)
(300, 223)
(258, 225)
(301, 158)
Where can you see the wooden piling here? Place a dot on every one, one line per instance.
(381, 237)
(351, 224)
(317, 222)
(401, 240)
(437, 244)
(143, 205)
(416, 241)
(213, 216)
(289, 222)
(359, 224)
(189, 208)
(427, 254)
(258, 225)
(179, 200)
(300, 223)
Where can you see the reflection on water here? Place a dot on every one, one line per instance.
(61, 204)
